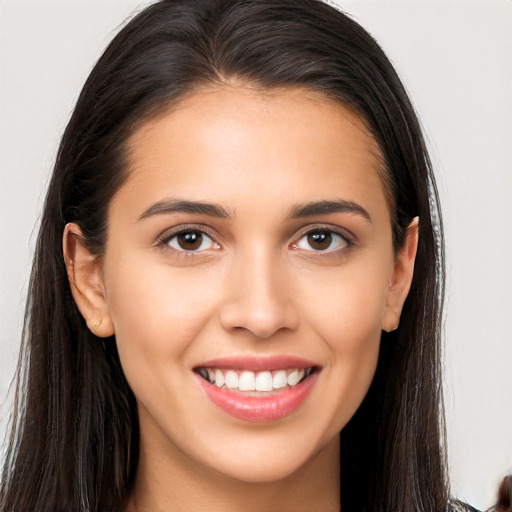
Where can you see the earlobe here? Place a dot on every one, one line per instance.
(401, 279)
(86, 281)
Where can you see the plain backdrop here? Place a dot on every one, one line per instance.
(455, 58)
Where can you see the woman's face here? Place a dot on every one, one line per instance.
(251, 245)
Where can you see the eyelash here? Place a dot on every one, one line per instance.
(165, 239)
(329, 230)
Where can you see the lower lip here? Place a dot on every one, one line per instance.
(259, 409)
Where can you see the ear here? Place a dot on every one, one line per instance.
(400, 282)
(86, 281)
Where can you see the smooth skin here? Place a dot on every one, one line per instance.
(257, 274)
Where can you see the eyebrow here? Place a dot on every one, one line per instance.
(327, 207)
(169, 206)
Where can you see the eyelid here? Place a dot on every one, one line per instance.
(164, 237)
(347, 235)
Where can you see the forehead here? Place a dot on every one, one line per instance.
(234, 140)
(241, 103)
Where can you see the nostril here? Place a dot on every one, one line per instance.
(259, 298)
(261, 319)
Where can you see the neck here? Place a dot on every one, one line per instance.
(165, 483)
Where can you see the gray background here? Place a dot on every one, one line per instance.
(455, 58)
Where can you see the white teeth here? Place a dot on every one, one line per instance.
(231, 379)
(279, 380)
(219, 378)
(247, 381)
(264, 381)
(293, 378)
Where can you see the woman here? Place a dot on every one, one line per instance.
(246, 315)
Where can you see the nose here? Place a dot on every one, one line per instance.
(259, 298)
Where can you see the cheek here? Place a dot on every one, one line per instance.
(346, 314)
(351, 327)
(156, 312)
(347, 308)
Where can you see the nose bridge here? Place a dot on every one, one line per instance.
(258, 297)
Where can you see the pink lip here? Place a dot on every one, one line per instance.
(258, 364)
(255, 408)
(259, 409)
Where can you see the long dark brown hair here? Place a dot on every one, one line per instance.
(74, 441)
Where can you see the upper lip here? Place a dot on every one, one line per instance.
(258, 363)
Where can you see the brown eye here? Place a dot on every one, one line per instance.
(319, 240)
(191, 241)
(322, 240)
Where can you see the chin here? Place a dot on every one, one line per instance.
(263, 460)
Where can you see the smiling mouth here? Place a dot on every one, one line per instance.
(247, 381)
(258, 390)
